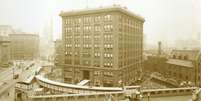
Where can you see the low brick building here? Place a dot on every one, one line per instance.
(184, 66)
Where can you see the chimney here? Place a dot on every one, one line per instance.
(159, 48)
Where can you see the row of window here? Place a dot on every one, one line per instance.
(185, 57)
(107, 27)
(107, 36)
(89, 45)
(106, 55)
(108, 64)
(88, 19)
(129, 21)
(104, 73)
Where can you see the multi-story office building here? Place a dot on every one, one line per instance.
(24, 46)
(103, 45)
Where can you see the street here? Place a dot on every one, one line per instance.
(8, 83)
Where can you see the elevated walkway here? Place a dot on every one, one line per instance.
(71, 88)
(88, 93)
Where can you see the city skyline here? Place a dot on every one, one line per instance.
(163, 18)
(95, 50)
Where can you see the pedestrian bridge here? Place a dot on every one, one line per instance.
(76, 89)
(72, 92)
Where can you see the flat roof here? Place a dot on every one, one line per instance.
(178, 62)
(101, 10)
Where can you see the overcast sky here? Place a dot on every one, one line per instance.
(166, 20)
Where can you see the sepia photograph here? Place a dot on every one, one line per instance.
(100, 50)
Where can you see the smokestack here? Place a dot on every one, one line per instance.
(159, 48)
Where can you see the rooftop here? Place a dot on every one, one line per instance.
(192, 54)
(178, 62)
(101, 9)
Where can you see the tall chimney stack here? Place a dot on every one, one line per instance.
(159, 48)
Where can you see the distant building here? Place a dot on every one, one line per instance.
(185, 66)
(102, 45)
(46, 42)
(4, 51)
(24, 46)
(58, 60)
(5, 30)
(187, 44)
(154, 60)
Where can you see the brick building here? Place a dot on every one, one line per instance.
(103, 45)
(184, 65)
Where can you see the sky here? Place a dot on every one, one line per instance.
(166, 20)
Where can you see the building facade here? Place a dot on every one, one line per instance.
(102, 45)
(5, 30)
(58, 58)
(184, 66)
(4, 51)
(24, 46)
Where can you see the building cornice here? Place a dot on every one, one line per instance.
(101, 10)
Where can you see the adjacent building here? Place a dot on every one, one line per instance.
(103, 45)
(24, 46)
(184, 66)
(58, 58)
(5, 30)
(4, 51)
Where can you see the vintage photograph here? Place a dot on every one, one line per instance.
(100, 50)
